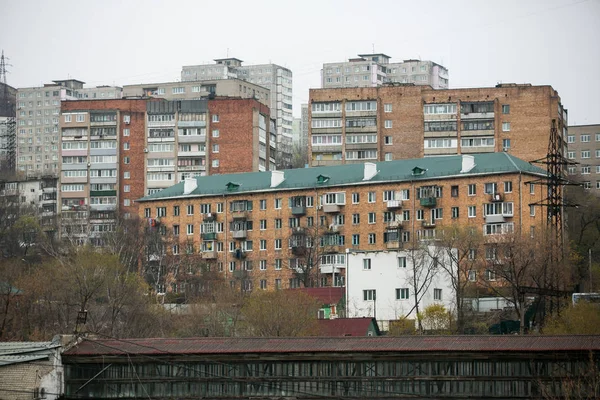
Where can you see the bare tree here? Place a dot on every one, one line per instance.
(423, 266)
(460, 247)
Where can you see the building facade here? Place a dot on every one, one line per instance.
(277, 79)
(379, 284)
(113, 152)
(292, 228)
(8, 145)
(584, 148)
(195, 90)
(38, 110)
(396, 122)
(371, 70)
(8, 97)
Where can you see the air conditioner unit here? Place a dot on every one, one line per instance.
(145, 149)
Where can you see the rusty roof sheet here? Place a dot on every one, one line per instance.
(325, 295)
(399, 344)
(345, 326)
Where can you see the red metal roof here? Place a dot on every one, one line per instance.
(344, 326)
(398, 344)
(325, 295)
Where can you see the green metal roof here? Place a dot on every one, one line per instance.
(435, 168)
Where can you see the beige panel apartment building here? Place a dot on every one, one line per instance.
(391, 122)
(584, 148)
(195, 90)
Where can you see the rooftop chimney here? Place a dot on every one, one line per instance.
(468, 163)
(276, 178)
(370, 171)
(189, 185)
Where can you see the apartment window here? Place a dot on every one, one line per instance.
(388, 157)
(176, 211)
(215, 118)
(455, 212)
(126, 175)
(585, 154)
(490, 275)
(355, 198)
(278, 263)
(571, 155)
(531, 188)
(277, 244)
(126, 160)
(215, 133)
(68, 118)
(597, 153)
(178, 90)
(263, 224)
(366, 264)
(585, 170)
(190, 209)
(263, 244)
(597, 137)
(355, 239)
(126, 202)
(369, 295)
(508, 187)
(506, 144)
(587, 185)
(402, 294)
(278, 223)
(126, 188)
(387, 108)
(126, 146)
(506, 127)
(372, 238)
(571, 139)
(585, 138)
(472, 189)
(215, 163)
(372, 218)
(388, 140)
(355, 219)
(437, 294)
(371, 197)
(490, 188)
(278, 204)
(215, 148)
(505, 109)
(472, 211)
(190, 229)
(388, 124)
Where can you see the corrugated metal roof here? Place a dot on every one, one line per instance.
(351, 174)
(325, 295)
(344, 326)
(19, 352)
(399, 344)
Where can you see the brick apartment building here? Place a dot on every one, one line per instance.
(115, 151)
(394, 122)
(261, 225)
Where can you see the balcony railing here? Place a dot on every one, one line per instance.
(331, 208)
(428, 224)
(240, 234)
(428, 201)
(298, 210)
(209, 236)
(394, 204)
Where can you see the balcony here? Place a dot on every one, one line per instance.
(191, 138)
(393, 245)
(496, 197)
(209, 255)
(331, 268)
(333, 228)
(298, 210)
(428, 201)
(394, 225)
(240, 234)
(394, 204)
(494, 218)
(299, 250)
(240, 214)
(428, 224)
(209, 217)
(332, 208)
(298, 231)
(209, 236)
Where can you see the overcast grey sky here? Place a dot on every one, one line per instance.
(554, 42)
